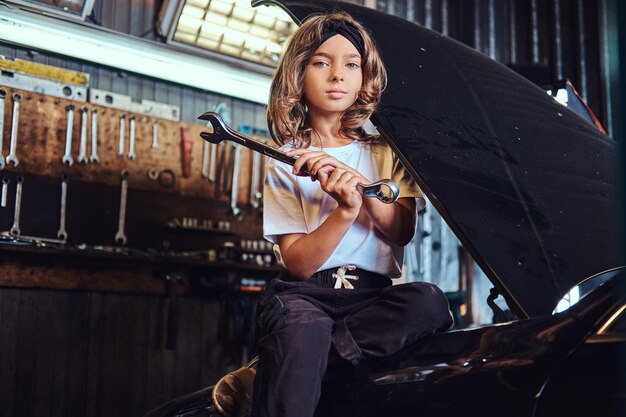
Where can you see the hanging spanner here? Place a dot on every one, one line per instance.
(5, 191)
(94, 137)
(120, 237)
(131, 146)
(254, 180)
(3, 96)
(15, 229)
(205, 160)
(385, 190)
(235, 182)
(62, 233)
(212, 158)
(12, 157)
(67, 158)
(120, 153)
(82, 151)
(155, 134)
(220, 171)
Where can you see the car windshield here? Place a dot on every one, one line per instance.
(582, 289)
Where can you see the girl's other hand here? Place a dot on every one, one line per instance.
(315, 161)
(341, 184)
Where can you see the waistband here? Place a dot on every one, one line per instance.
(327, 278)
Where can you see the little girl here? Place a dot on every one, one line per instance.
(340, 250)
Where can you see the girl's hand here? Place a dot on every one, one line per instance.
(341, 185)
(316, 160)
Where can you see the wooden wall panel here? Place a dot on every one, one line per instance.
(93, 354)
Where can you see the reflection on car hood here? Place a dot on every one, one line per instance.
(527, 185)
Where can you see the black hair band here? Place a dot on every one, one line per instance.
(347, 31)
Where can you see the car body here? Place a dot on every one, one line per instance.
(531, 190)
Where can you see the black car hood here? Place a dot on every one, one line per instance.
(528, 186)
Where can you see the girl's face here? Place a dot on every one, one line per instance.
(333, 77)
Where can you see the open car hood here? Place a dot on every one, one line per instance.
(528, 186)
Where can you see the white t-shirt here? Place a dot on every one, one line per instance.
(293, 204)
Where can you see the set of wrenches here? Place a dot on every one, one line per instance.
(221, 165)
(15, 231)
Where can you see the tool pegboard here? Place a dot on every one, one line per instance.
(160, 163)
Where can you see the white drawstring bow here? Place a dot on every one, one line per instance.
(342, 278)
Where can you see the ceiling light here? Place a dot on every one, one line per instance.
(230, 27)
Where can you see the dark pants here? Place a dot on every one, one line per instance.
(297, 323)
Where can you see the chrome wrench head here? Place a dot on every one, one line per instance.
(385, 190)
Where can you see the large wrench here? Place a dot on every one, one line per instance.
(120, 237)
(62, 234)
(131, 146)
(3, 96)
(155, 134)
(15, 229)
(82, 151)
(67, 158)
(12, 157)
(385, 190)
(94, 137)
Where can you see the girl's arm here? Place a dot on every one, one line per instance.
(395, 221)
(303, 254)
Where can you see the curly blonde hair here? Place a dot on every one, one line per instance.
(287, 116)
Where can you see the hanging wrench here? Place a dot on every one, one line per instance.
(94, 137)
(12, 157)
(254, 180)
(67, 158)
(3, 96)
(385, 190)
(155, 134)
(62, 234)
(205, 160)
(120, 154)
(235, 182)
(82, 152)
(120, 237)
(15, 229)
(5, 191)
(131, 146)
(212, 159)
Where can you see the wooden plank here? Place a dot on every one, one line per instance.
(45, 339)
(25, 357)
(77, 352)
(97, 321)
(139, 341)
(60, 323)
(8, 343)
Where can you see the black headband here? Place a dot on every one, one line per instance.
(347, 31)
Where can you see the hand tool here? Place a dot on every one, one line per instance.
(67, 158)
(155, 134)
(212, 158)
(15, 229)
(82, 151)
(3, 96)
(186, 148)
(205, 160)
(234, 184)
(131, 146)
(12, 157)
(385, 190)
(120, 153)
(227, 174)
(62, 234)
(94, 137)
(120, 237)
(5, 191)
(254, 180)
(220, 168)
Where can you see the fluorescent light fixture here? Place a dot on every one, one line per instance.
(230, 27)
(93, 44)
(75, 9)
